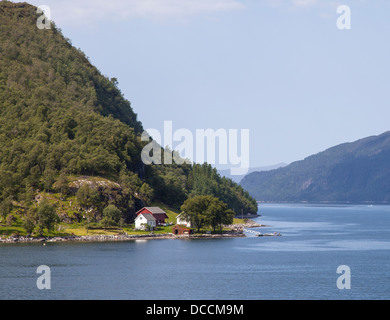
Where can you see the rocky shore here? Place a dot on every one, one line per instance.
(247, 225)
(236, 230)
(107, 238)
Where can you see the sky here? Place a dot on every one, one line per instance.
(280, 68)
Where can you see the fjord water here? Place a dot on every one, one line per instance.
(302, 264)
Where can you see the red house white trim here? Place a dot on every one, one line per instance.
(159, 214)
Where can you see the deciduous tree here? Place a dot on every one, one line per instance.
(46, 216)
(207, 211)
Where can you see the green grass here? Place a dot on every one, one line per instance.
(172, 212)
(17, 229)
(83, 231)
(238, 221)
(80, 229)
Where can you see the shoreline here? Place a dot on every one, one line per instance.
(118, 238)
(235, 232)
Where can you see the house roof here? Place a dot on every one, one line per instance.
(157, 212)
(148, 216)
(182, 218)
(154, 210)
(160, 216)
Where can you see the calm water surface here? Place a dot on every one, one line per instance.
(301, 264)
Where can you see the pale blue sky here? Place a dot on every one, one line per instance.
(280, 68)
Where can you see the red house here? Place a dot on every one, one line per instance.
(159, 214)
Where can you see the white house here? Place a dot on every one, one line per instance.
(143, 220)
(182, 221)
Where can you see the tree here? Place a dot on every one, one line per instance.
(111, 216)
(48, 179)
(88, 196)
(62, 184)
(195, 210)
(207, 211)
(6, 207)
(28, 196)
(29, 222)
(219, 214)
(129, 181)
(46, 216)
(146, 194)
(10, 220)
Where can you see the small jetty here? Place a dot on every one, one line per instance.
(259, 234)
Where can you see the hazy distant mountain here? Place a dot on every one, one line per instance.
(350, 172)
(226, 173)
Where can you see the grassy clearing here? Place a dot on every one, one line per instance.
(80, 230)
(238, 221)
(68, 205)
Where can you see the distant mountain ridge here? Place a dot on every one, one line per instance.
(238, 178)
(354, 172)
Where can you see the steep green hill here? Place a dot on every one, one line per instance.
(42, 68)
(57, 111)
(62, 121)
(355, 172)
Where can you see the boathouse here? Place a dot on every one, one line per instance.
(181, 230)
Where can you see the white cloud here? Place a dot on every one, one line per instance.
(93, 11)
(304, 3)
(298, 4)
(325, 8)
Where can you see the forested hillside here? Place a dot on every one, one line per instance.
(62, 122)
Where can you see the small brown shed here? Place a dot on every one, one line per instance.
(182, 230)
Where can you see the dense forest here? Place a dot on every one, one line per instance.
(62, 122)
(354, 172)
